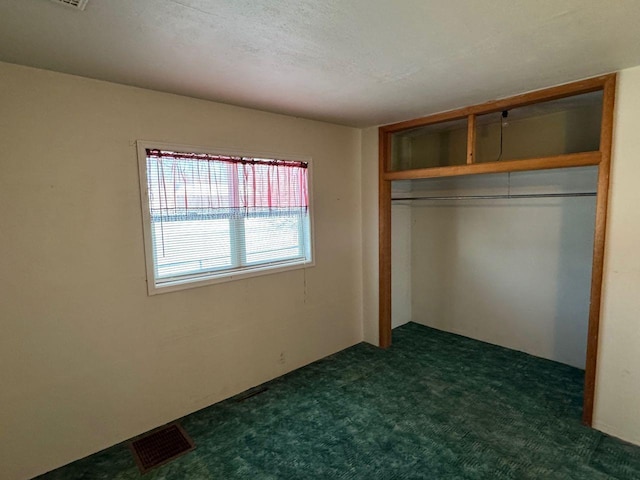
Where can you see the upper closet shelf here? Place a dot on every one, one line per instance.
(554, 128)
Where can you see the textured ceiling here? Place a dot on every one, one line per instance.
(354, 62)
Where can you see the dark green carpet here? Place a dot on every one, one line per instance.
(433, 406)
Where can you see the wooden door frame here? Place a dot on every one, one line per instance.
(601, 158)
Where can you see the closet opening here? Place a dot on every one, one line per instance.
(502, 258)
(493, 219)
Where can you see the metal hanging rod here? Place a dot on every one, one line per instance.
(504, 196)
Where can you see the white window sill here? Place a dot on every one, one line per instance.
(228, 276)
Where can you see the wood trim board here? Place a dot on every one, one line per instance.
(597, 268)
(384, 197)
(544, 163)
(471, 138)
(546, 95)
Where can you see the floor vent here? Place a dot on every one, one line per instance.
(161, 446)
(77, 4)
(252, 392)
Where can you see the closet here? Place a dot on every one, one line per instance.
(492, 222)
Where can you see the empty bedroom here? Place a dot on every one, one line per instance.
(319, 239)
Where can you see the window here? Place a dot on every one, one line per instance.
(211, 217)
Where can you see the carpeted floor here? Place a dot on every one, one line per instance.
(433, 406)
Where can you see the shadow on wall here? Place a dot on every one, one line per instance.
(574, 279)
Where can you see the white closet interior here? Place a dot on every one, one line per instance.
(506, 257)
(515, 272)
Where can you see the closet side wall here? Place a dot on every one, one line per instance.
(400, 264)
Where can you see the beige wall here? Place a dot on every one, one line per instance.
(87, 359)
(574, 130)
(369, 165)
(430, 147)
(617, 409)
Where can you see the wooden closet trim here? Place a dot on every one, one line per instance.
(544, 163)
(597, 268)
(602, 158)
(548, 94)
(384, 222)
(471, 138)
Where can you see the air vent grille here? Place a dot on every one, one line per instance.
(77, 4)
(160, 447)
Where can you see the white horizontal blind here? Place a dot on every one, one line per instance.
(215, 216)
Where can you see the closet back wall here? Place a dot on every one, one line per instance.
(514, 273)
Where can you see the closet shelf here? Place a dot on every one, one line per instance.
(500, 196)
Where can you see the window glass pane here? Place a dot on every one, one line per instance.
(270, 239)
(192, 246)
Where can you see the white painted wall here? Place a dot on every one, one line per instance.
(617, 407)
(514, 272)
(87, 359)
(400, 264)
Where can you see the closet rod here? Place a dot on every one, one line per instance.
(491, 197)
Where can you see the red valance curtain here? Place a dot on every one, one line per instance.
(198, 185)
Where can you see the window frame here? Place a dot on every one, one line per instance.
(200, 280)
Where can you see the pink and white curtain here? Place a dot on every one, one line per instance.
(193, 185)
